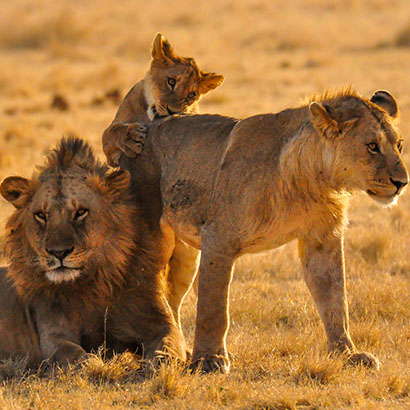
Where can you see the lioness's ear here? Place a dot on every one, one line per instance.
(117, 182)
(15, 190)
(323, 122)
(162, 52)
(209, 81)
(385, 100)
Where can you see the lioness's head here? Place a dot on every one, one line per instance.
(73, 220)
(174, 84)
(366, 146)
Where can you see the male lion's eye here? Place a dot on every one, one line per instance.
(81, 214)
(171, 82)
(40, 217)
(400, 146)
(192, 94)
(373, 147)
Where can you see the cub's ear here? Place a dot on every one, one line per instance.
(15, 190)
(385, 100)
(116, 182)
(209, 81)
(162, 52)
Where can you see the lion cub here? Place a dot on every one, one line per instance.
(172, 85)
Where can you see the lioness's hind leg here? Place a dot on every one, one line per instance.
(183, 268)
(212, 323)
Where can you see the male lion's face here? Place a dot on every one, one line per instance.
(68, 224)
(368, 146)
(175, 83)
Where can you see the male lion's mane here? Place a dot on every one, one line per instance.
(96, 283)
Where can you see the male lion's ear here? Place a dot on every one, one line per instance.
(385, 100)
(162, 52)
(15, 190)
(117, 182)
(323, 122)
(209, 81)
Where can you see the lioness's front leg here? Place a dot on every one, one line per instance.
(212, 323)
(324, 273)
(123, 137)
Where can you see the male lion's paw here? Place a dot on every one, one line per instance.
(365, 359)
(134, 140)
(211, 364)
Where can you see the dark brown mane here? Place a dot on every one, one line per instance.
(72, 152)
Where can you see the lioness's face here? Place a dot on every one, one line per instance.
(174, 84)
(68, 220)
(367, 146)
(376, 152)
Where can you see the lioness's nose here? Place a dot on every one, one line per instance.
(399, 184)
(60, 253)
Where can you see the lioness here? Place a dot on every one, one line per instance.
(172, 85)
(82, 272)
(231, 187)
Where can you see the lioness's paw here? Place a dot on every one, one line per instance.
(211, 364)
(364, 359)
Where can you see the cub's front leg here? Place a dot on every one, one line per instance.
(59, 335)
(324, 273)
(123, 137)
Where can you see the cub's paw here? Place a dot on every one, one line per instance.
(134, 140)
(365, 359)
(211, 364)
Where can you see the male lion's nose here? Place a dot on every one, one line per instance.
(398, 184)
(60, 253)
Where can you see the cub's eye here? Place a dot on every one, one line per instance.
(400, 146)
(81, 214)
(40, 217)
(171, 82)
(373, 148)
(192, 94)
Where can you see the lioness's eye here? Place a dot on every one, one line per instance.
(400, 146)
(373, 147)
(192, 94)
(81, 214)
(41, 217)
(171, 82)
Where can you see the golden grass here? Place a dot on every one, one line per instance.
(273, 54)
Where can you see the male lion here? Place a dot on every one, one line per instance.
(172, 85)
(231, 187)
(82, 271)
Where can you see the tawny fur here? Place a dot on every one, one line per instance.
(117, 293)
(155, 96)
(230, 187)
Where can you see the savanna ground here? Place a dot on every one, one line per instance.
(272, 53)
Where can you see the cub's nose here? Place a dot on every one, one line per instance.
(60, 253)
(398, 184)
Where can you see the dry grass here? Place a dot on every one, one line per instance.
(272, 53)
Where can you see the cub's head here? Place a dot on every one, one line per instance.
(72, 223)
(366, 145)
(174, 84)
